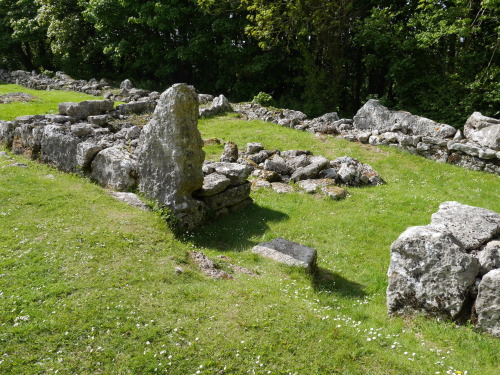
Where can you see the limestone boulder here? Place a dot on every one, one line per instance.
(86, 108)
(288, 252)
(278, 165)
(483, 130)
(429, 271)
(59, 149)
(228, 197)
(213, 183)
(488, 303)
(171, 156)
(230, 154)
(489, 257)
(374, 115)
(115, 168)
(472, 226)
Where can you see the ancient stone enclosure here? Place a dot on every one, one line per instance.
(447, 268)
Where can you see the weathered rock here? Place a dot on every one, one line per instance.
(229, 197)
(488, 303)
(6, 133)
(269, 176)
(260, 183)
(281, 188)
(237, 173)
(207, 266)
(310, 171)
(278, 165)
(489, 257)
(289, 253)
(429, 271)
(261, 156)
(129, 198)
(472, 226)
(86, 108)
(334, 192)
(136, 107)
(311, 186)
(86, 151)
(373, 115)
(127, 85)
(59, 149)
(115, 168)
(352, 172)
(213, 183)
(230, 154)
(298, 161)
(81, 130)
(171, 156)
(254, 147)
(205, 98)
(483, 130)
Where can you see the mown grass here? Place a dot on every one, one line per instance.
(46, 102)
(88, 284)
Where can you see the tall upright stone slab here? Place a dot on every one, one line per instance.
(171, 156)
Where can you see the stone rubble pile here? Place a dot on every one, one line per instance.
(478, 148)
(450, 267)
(312, 174)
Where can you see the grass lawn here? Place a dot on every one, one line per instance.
(45, 103)
(88, 284)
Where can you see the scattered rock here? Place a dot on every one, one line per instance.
(287, 252)
(488, 303)
(207, 266)
(129, 198)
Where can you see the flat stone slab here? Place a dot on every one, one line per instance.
(287, 252)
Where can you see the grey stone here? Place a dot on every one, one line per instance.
(328, 173)
(472, 226)
(99, 120)
(6, 133)
(171, 156)
(86, 108)
(81, 130)
(229, 197)
(230, 153)
(277, 164)
(281, 188)
(334, 192)
(261, 156)
(254, 147)
(59, 149)
(289, 253)
(115, 168)
(373, 115)
(136, 107)
(126, 84)
(259, 183)
(237, 173)
(311, 186)
(129, 198)
(489, 257)
(213, 183)
(483, 130)
(429, 271)
(86, 151)
(310, 171)
(488, 303)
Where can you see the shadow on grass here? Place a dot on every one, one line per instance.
(234, 232)
(324, 279)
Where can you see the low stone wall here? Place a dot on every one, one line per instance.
(164, 159)
(450, 267)
(477, 148)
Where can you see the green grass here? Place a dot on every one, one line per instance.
(45, 104)
(88, 284)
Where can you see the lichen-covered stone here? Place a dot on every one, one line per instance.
(171, 156)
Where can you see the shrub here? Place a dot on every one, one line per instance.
(263, 99)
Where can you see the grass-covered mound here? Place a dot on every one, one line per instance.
(88, 285)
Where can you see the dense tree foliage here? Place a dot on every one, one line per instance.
(438, 58)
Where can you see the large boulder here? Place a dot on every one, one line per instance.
(430, 272)
(472, 226)
(86, 108)
(115, 168)
(59, 148)
(488, 303)
(374, 115)
(483, 130)
(171, 156)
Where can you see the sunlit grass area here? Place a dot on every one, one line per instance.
(88, 284)
(44, 102)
